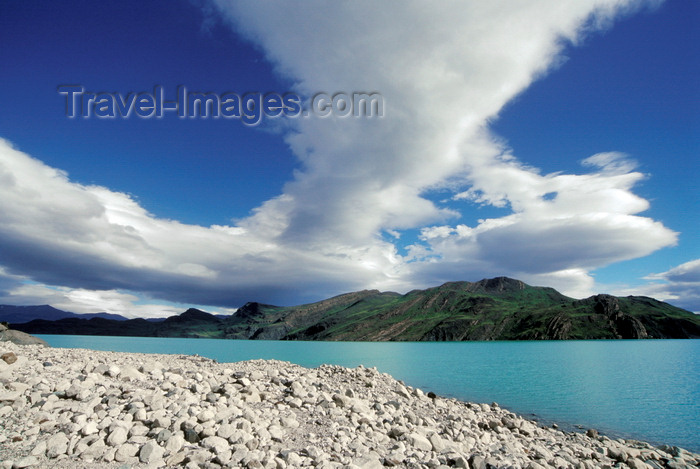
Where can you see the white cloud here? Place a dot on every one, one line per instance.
(61, 233)
(444, 74)
(679, 286)
(83, 301)
(686, 273)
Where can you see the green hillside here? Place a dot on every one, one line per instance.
(491, 309)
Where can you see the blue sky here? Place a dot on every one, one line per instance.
(555, 142)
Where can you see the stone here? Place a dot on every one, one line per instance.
(395, 404)
(360, 408)
(635, 463)
(138, 430)
(205, 416)
(174, 443)
(617, 454)
(226, 430)
(438, 444)
(163, 435)
(89, 428)
(402, 391)
(140, 415)
(39, 449)
(73, 391)
(257, 375)
(541, 452)
(215, 443)
(27, 461)
(8, 396)
(342, 401)
(56, 445)
(175, 459)
(239, 454)
(8, 357)
(293, 459)
(101, 369)
(420, 442)
(150, 452)
(370, 461)
(477, 462)
(289, 422)
(126, 451)
(527, 429)
(276, 433)
(130, 373)
(117, 436)
(494, 424)
(191, 436)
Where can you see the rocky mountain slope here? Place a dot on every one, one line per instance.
(492, 309)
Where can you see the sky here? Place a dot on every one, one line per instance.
(552, 141)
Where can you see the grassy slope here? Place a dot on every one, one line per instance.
(495, 309)
(501, 309)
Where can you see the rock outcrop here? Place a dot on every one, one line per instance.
(558, 328)
(19, 337)
(624, 325)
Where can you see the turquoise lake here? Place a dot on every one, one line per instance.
(647, 390)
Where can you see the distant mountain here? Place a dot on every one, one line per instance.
(191, 323)
(112, 316)
(18, 314)
(18, 337)
(492, 309)
(9, 313)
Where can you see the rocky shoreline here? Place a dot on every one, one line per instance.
(75, 408)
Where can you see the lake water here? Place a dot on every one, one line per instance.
(645, 390)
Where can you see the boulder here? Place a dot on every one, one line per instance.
(19, 337)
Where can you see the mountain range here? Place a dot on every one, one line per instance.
(16, 314)
(491, 309)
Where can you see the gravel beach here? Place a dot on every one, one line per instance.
(75, 408)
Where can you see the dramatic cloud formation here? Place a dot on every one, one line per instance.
(443, 79)
(86, 237)
(338, 224)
